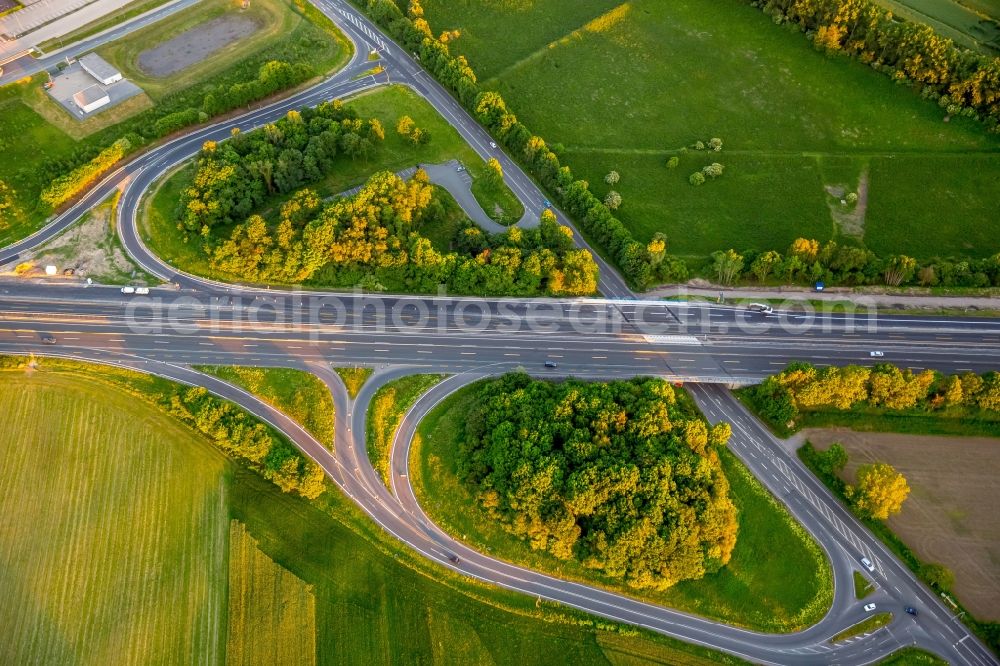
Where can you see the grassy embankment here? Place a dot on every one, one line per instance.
(757, 589)
(126, 560)
(386, 411)
(297, 393)
(159, 218)
(40, 140)
(624, 86)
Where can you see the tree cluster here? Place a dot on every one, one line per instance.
(803, 387)
(237, 433)
(809, 261)
(619, 476)
(66, 187)
(961, 80)
(234, 178)
(375, 237)
(408, 129)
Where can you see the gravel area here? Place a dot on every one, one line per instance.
(194, 45)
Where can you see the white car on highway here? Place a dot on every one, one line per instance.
(869, 608)
(867, 564)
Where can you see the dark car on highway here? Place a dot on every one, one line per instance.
(551, 364)
(910, 610)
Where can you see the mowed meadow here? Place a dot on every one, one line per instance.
(126, 538)
(626, 85)
(113, 529)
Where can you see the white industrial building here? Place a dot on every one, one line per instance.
(100, 69)
(92, 98)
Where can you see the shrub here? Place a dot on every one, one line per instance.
(713, 170)
(64, 188)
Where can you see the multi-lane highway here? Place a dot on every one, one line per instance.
(200, 321)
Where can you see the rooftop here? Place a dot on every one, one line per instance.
(90, 95)
(98, 66)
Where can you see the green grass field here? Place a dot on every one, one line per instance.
(159, 218)
(113, 528)
(297, 393)
(625, 85)
(756, 589)
(272, 613)
(40, 141)
(386, 411)
(128, 559)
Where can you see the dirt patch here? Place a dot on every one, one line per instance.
(89, 249)
(849, 217)
(194, 45)
(950, 516)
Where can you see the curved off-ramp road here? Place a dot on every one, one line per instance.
(211, 322)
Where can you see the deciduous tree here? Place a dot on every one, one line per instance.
(880, 491)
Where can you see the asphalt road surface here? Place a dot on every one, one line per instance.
(201, 321)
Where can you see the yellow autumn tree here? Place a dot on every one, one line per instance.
(880, 491)
(804, 248)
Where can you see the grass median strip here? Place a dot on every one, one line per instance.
(354, 379)
(386, 411)
(862, 586)
(864, 627)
